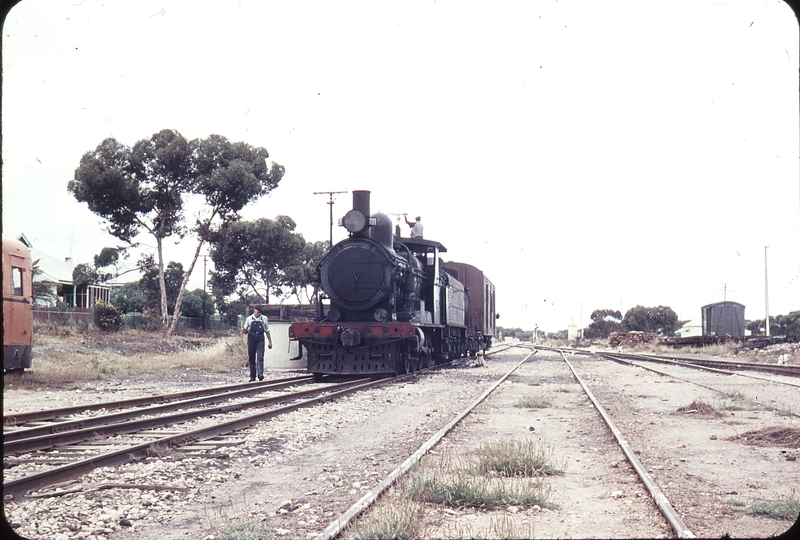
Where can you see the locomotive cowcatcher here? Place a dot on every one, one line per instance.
(393, 306)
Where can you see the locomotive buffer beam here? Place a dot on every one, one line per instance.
(361, 348)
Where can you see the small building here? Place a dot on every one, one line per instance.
(56, 274)
(572, 332)
(692, 328)
(723, 319)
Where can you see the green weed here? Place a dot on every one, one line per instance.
(788, 509)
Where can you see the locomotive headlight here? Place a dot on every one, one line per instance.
(354, 221)
(381, 314)
(334, 314)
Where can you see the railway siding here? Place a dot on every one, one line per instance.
(688, 438)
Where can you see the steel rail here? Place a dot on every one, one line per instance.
(337, 525)
(49, 440)
(49, 414)
(776, 369)
(699, 363)
(654, 370)
(80, 424)
(660, 499)
(70, 471)
(621, 357)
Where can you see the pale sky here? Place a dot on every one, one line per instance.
(585, 154)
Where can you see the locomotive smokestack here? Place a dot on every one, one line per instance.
(361, 202)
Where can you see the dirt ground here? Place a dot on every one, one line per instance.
(296, 473)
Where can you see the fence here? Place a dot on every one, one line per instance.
(72, 317)
(85, 317)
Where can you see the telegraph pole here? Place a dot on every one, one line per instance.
(766, 291)
(204, 293)
(330, 202)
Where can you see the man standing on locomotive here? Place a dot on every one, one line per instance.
(257, 328)
(416, 227)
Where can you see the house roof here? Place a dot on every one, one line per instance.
(50, 268)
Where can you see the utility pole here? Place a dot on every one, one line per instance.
(766, 291)
(330, 202)
(204, 293)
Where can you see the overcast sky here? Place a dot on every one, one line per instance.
(584, 154)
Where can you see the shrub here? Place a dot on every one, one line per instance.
(106, 316)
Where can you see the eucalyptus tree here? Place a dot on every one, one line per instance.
(227, 176)
(604, 322)
(661, 320)
(145, 188)
(255, 257)
(300, 275)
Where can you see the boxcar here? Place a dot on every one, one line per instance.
(17, 306)
(481, 315)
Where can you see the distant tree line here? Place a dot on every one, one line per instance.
(661, 320)
(779, 325)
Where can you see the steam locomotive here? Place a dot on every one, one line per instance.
(394, 306)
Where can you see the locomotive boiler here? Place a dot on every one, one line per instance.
(393, 306)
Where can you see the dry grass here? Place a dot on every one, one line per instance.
(772, 436)
(63, 359)
(532, 401)
(491, 478)
(699, 408)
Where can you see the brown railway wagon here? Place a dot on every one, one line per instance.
(17, 306)
(481, 314)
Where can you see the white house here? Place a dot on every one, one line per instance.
(56, 274)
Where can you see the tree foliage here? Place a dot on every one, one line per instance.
(253, 257)
(145, 188)
(519, 333)
(151, 290)
(128, 298)
(300, 276)
(604, 322)
(660, 320)
(193, 304)
(779, 325)
(109, 256)
(84, 274)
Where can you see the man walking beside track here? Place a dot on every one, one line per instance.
(256, 327)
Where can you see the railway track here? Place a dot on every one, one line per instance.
(698, 363)
(670, 514)
(621, 434)
(66, 449)
(722, 367)
(666, 508)
(341, 522)
(347, 443)
(21, 419)
(668, 468)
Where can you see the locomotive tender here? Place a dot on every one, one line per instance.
(394, 306)
(17, 306)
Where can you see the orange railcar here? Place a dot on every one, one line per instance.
(17, 306)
